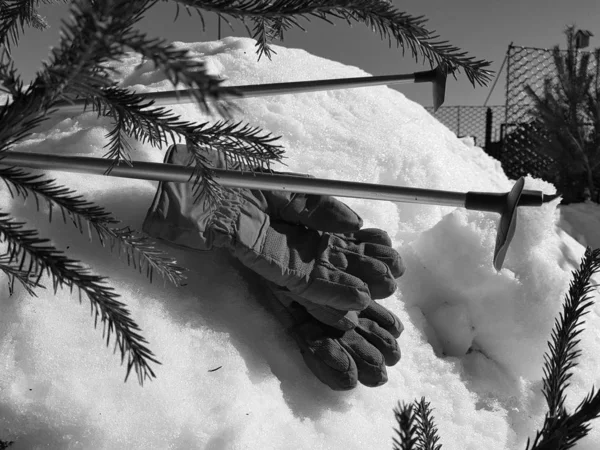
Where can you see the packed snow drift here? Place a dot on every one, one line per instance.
(474, 339)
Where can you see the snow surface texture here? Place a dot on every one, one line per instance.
(474, 339)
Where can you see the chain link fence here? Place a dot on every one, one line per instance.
(510, 133)
(472, 121)
(522, 139)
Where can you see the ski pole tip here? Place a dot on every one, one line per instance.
(507, 224)
(439, 86)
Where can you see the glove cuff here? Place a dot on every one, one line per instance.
(237, 224)
(175, 217)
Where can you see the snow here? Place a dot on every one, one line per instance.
(474, 339)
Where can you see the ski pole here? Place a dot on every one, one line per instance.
(436, 76)
(503, 203)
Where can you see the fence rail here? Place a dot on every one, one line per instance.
(472, 121)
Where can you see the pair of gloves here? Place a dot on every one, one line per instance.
(322, 272)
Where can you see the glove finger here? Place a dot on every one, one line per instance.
(318, 344)
(319, 212)
(325, 357)
(334, 288)
(379, 245)
(341, 320)
(379, 338)
(356, 260)
(384, 318)
(374, 236)
(387, 255)
(369, 361)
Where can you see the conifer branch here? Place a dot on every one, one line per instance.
(379, 15)
(561, 430)
(13, 272)
(29, 250)
(158, 126)
(427, 437)
(179, 67)
(408, 428)
(138, 248)
(240, 143)
(14, 16)
(119, 149)
(267, 30)
(10, 83)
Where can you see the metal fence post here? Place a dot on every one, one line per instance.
(488, 128)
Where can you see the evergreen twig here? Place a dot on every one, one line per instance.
(138, 248)
(15, 15)
(408, 427)
(157, 126)
(27, 249)
(427, 431)
(272, 17)
(562, 430)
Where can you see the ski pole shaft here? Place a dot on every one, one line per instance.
(480, 201)
(262, 90)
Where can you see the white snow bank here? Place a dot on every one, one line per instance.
(474, 338)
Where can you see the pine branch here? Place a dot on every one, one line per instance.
(19, 118)
(14, 16)
(379, 15)
(427, 437)
(140, 251)
(79, 65)
(408, 428)
(207, 192)
(27, 279)
(240, 143)
(267, 30)
(158, 126)
(76, 67)
(25, 247)
(180, 67)
(561, 430)
(118, 147)
(138, 248)
(10, 83)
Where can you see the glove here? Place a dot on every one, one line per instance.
(341, 358)
(291, 240)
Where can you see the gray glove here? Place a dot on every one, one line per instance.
(275, 235)
(339, 358)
